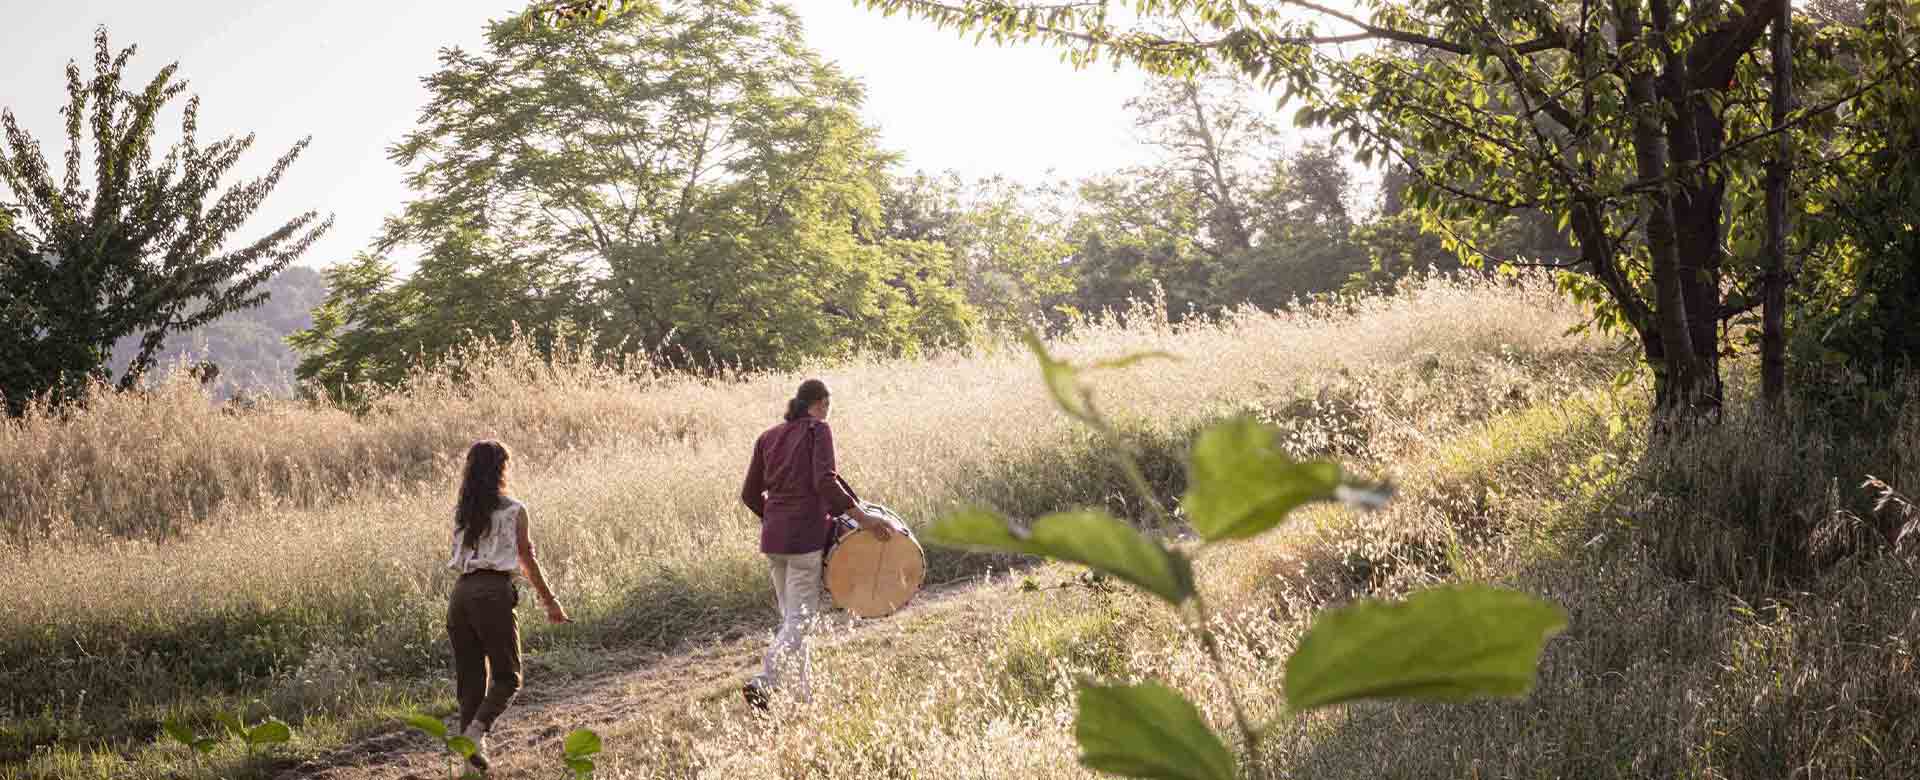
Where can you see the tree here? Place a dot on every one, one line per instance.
(1210, 134)
(1138, 234)
(1222, 217)
(1860, 272)
(1636, 124)
(1304, 233)
(689, 179)
(141, 250)
(1005, 240)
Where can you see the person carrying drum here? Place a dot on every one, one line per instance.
(792, 487)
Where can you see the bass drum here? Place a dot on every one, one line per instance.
(872, 578)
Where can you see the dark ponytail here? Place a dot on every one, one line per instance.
(811, 392)
(481, 488)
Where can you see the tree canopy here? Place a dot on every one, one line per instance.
(691, 180)
(1640, 126)
(141, 247)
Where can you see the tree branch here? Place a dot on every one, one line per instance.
(1642, 185)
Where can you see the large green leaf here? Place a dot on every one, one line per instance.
(462, 747)
(1148, 731)
(272, 732)
(1241, 484)
(1093, 538)
(431, 725)
(582, 743)
(1452, 643)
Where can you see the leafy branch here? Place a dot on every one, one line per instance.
(1450, 643)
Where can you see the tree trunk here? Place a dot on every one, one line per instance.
(1773, 297)
(1238, 238)
(1684, 381)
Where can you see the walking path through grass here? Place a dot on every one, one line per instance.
(628, 688)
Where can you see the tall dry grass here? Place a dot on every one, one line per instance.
(989, 692)
(152, 464)
(1664, 672)
(1741, 609)
(328, 601)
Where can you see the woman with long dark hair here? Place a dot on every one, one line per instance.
(492, 538)
(792, 486)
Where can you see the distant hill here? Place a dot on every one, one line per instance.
(249, 346)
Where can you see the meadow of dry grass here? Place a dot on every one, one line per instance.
(1666, 670)
(1516, 462)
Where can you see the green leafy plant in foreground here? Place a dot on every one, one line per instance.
(579, 748)
(1450, 643)
(458, 747)
(271, 731)
(184, 735)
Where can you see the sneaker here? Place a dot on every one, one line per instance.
(478, 734)
(755, 695)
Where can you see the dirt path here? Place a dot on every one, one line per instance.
(530, 734)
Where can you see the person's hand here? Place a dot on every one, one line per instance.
(881, 529)
(557, 614)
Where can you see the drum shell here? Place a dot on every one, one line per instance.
(871, 578)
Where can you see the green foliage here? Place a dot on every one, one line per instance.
(458, 748)
(577, 12)
(1215, 221)
(136, 251)
(693, 184)
(578, 749)
(1450, 643)
(180, 733)
(1243, 484)
(426, 724)
(268, 732)
(1636, 129)
(1861, 283)
(1148, 731)
(578, 752)
(1092, 538)
(1006, 242)
(1139, 235)
(232, 723)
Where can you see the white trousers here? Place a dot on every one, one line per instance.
(796, 588)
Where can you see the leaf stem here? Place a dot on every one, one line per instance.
(1129, 466)
(1201, 619)
(1204, 627)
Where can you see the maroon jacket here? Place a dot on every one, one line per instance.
(792, 486)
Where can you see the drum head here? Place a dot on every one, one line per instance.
(871, 578)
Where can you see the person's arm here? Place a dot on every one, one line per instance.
(826, 482)
(753, 492)
(530, 563)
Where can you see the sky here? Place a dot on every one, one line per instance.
(347, 73)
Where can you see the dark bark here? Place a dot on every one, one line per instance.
(1773, 346)
(1699, 205)
(1677, 372)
